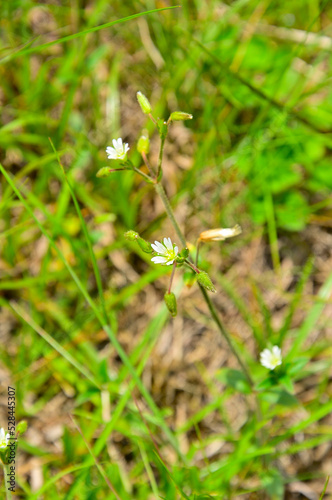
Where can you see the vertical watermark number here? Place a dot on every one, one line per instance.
(11, 460)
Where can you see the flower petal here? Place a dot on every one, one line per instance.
(168, 243)
(159, 260)
(160, 247)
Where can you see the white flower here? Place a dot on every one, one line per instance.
(118, 151)
(4, 438)
(166, 252)
(271, 358)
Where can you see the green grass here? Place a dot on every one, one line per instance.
(121, 400)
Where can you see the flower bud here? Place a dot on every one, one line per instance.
(205, 281)
(170, 301)
(177, 116)
(220, 234)
(131, 235)
(134, 236)
(143, 144)
(103, 172)
(144, 245)
(144, 103)
(22, 427)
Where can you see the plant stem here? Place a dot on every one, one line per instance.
(146, 177)
(192, 266)
(225, 334)
(161, 192)
(148, 166)
(197, 251)
(160, 159)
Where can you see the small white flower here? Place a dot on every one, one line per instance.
(4, 438)
(118, 151)
(166, 252)
(271, 358)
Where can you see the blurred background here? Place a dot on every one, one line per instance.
(256, 75)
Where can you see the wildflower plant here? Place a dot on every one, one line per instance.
(179, 255)
(166, 252)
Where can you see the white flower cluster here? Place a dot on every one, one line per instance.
(118, 151)
(166, 252)
(271, 358)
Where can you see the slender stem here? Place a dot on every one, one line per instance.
(161, 192)
(148, 166)
(146, 177)
(192, 266)
(160, 159)
(225, 333)
(197, 252)
(152, 119)
(111, 170)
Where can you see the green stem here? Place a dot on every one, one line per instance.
(148, 166)
(160, 159)
(161, 192)
(197, 252)
(225, 334)
(146, 177)
(192, 266)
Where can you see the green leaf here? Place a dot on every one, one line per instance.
(280, 397)
(235, 379)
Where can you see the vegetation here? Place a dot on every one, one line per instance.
(121, 399)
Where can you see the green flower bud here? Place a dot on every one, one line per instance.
(131, 235)
(205, 281)
(143, 144)
(103, 172)
(145, 246)
(144, 103)
(170, 301)
(180, 116)
(22, 427)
